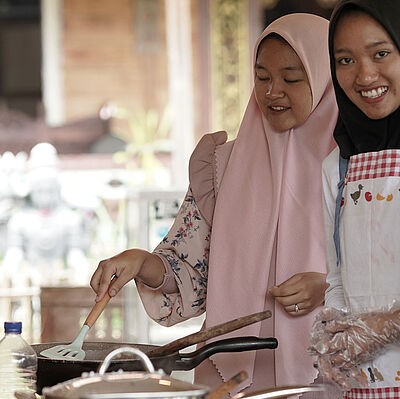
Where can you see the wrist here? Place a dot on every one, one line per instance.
(152, 270)
(386, 325)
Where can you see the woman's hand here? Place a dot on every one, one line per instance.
(129, 264)
(306, 290)
(342, 342)
(359, 338)
(346, 379)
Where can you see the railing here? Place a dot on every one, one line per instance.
(56, 314)
(64, 310)
(22, 304)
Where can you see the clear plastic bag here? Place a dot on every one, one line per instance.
(343, 341)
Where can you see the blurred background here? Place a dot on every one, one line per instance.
(101, 105)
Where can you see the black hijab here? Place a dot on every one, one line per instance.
(354, 132)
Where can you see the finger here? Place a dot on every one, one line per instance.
(336, 326)
(118, 282)
(325, 367)
(300, 310)
(285, 289)
(289, 300)
(320, 345)
(342, 379)
(348, 365)
(291, 280)
(339, 360)
(95, 280)
(339, 343)
(105, 278)
(334, 374)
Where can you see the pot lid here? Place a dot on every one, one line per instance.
(124, 385)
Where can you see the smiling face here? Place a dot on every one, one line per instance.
(281, 85)
(367, 64)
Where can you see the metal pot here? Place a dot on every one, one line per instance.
(150, 384)
(125, 385)
(54, 371)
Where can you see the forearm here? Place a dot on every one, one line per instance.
(334, 295)
(185, 249)
(152, 271)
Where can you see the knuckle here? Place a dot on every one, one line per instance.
(102, 262)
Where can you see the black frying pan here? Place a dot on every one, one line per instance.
(54, 371)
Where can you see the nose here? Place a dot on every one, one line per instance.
(367, 73)
(273, 91)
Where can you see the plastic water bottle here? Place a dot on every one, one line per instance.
(18, 363)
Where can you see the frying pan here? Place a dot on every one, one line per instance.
(54, 371)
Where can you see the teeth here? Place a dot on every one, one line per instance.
(278, 108)
(374, 93)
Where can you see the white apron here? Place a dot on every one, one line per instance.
(370, 247)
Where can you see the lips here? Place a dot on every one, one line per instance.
(374, 93)
(278, 108)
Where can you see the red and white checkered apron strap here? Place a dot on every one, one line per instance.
(372, 165)
(373, 393)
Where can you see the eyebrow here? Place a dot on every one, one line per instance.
(368, 46)
(289, 68)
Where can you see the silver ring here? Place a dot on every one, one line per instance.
(296, 307)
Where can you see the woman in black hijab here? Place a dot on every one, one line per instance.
(357, 336)
(356, 133)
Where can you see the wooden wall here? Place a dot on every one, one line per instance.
(116, 51)
(106, 59)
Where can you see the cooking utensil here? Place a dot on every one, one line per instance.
(122, 385)
(54, 371)
(227, 386)
(149, 384)
(280, 392)
(24, 395)
(74, 350)
(209, 333)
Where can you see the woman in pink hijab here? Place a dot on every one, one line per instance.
(249, 235)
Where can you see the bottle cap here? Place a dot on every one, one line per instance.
(12, 327)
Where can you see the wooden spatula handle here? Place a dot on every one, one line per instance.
(227, 386)
(209, 333)
(97, 310)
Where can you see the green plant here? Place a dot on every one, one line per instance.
(147, 134)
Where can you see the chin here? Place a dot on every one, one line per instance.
(280, 128)
(375, 116)
(376, 113)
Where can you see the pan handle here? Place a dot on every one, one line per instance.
(208, 333)
(187, 361)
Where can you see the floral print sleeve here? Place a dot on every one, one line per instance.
(186, 249)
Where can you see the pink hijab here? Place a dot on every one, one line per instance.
(270, 200)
